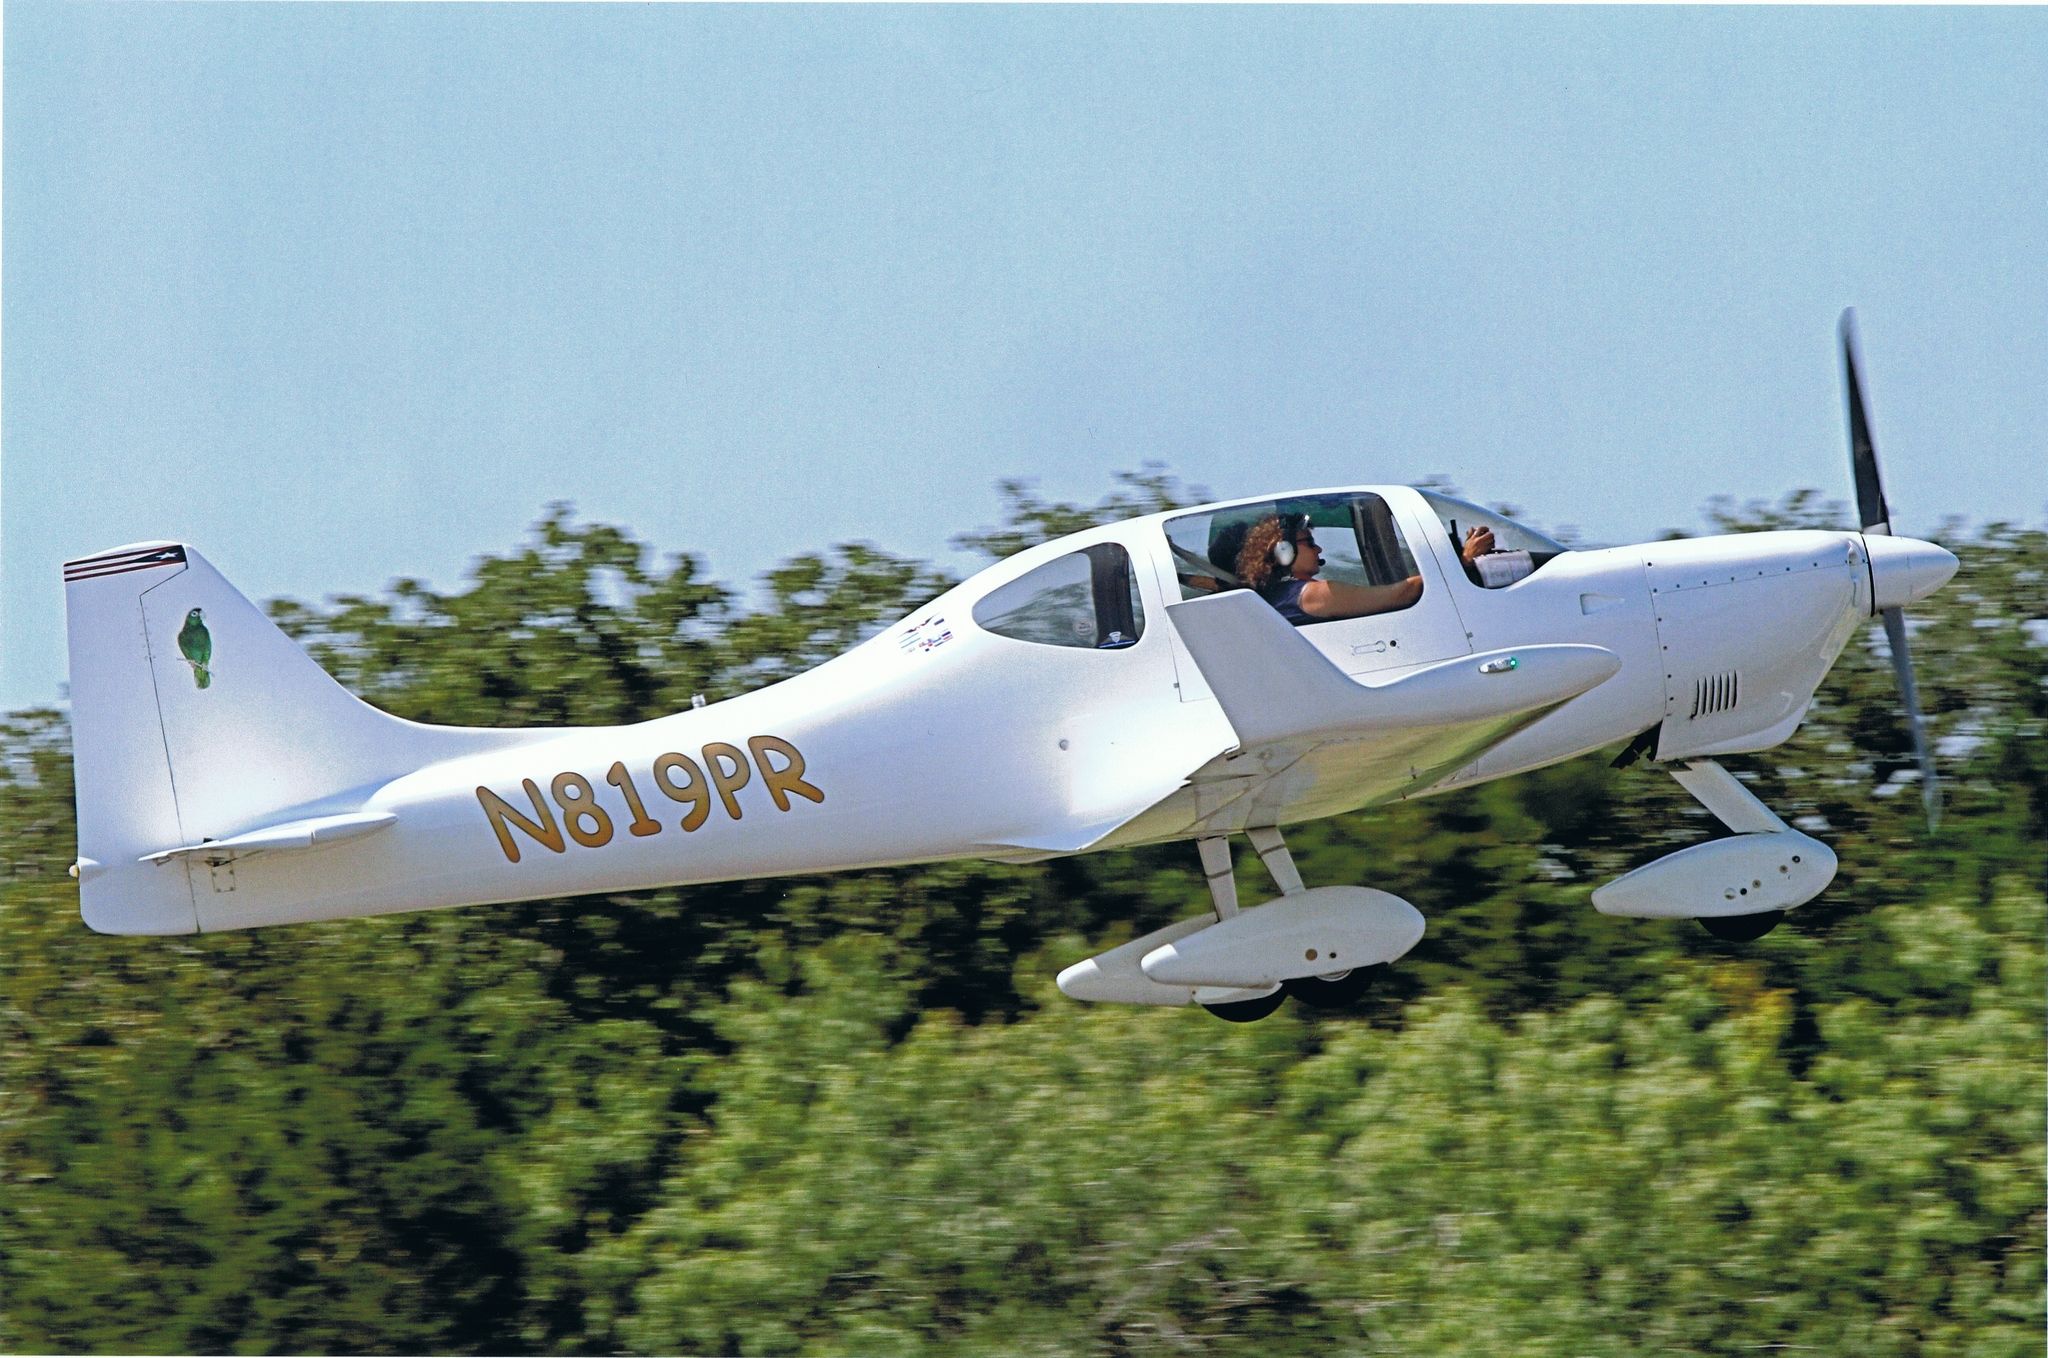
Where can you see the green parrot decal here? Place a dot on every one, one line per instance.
(195, 643)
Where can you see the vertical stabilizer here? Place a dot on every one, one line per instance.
(194, 718)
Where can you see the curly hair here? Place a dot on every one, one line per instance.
(1255, 564)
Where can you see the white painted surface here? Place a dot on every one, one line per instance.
(1905, 570)
(1741, 875)
(1116, 977)
(1310, 933)
(311, 833)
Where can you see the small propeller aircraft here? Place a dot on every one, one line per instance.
(1129, 684)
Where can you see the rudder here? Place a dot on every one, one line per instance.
(121, 770)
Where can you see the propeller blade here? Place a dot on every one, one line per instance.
(1902, 668)
(1876, 518)
(1871, 511)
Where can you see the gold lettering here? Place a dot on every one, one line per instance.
(728, 780)
(785, 780)
(542, 828)
(643, 824)
(693, 792)
(578, 801)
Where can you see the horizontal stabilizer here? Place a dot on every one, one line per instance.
(1273, 685)
(315, 832)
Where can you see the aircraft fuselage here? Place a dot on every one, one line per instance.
(940, 738)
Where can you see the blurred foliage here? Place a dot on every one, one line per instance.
(1031, 519)
(851, 1115)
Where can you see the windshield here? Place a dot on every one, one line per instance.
(1517, 549)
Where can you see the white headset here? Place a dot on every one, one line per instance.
(1283, 550)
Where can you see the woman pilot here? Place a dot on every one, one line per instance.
(1279, 560)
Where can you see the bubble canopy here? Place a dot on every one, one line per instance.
(1361, 541)
(1461, 516)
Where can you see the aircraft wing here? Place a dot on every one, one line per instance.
(1276, 690)
(1275, 687)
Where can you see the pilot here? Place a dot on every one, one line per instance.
(1279, 560)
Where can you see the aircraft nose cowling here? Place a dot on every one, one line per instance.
(1905, 570)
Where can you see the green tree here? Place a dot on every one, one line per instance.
(850, 1113)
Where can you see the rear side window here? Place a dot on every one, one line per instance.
(1086, 599)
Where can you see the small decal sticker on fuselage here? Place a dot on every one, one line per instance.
(724, 769)
(926, 634)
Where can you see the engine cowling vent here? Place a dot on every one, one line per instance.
(1713, 693)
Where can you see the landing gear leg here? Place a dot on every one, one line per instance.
(1216, 867)
(1273, 853)
(1223, 893)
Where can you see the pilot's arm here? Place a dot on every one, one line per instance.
(1334, 599)
(1488, 567)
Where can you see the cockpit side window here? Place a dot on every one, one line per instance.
(1086, 599)
(1518, 551)
(1360, 544)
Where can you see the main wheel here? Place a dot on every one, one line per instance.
(1334, 992)
(1743, 928)
(1248, 1011)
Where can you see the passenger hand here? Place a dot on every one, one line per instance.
(1478, 542)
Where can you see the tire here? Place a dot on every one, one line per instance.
(1743, 928)
(1342, 993)
(1248, 1011)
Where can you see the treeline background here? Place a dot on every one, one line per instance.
(852, 1115)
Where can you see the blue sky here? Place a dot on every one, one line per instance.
(343, 293)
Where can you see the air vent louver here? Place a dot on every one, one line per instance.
(1713, 693)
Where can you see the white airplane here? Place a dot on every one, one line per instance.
(1116, 687)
